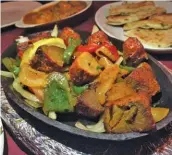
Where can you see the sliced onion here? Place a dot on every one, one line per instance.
(98, 127)
(52, 115)
(95, 29)
(7, 74)
(18, 87)
(119, 61)
(55, 31)
(22, 39)
(33, 104)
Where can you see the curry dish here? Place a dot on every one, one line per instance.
(54, 12)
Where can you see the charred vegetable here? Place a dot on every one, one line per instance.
(57, 94)
(159, 113)
(39, 92)
(104, 62)
(12, 65)
(72, 44)
(119, 90)
(98, 127)
(79, 89)
(108, 51)
(84, 69)
(19, 88)
(129, 114)
(105, 81)
(31, 77)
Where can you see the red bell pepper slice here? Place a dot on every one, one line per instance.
(88, 48)
(20, 54)
(112, 48)
(93, 47)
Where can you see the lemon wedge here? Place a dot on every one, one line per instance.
(159, 113)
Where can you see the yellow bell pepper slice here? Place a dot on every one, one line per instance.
(31, 77)
(159, 113)
(30, 52)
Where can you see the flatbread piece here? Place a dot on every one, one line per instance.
(163, 22)
(120, 20)
(152, 37)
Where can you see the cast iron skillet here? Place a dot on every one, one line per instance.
(65, 122)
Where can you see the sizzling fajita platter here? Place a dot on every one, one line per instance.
(109, 91)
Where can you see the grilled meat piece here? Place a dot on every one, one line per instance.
(67, 33)
(88, 105)
(143, 79)
(40, 35)
(134, 52)
(98, 38)
(23, 46)
(42, 62)
(129, 114)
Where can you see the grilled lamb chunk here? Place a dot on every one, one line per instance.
(98, 38)
(33, 38)
(67, 33)
(88, 105)
(134, 52)
(143, 79)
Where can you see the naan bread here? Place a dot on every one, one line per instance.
(151, 37)
(167, 18)
(155, 22)
(120, 20)
(128, 8)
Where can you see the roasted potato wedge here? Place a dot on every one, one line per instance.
(119, 90)
(105, 81)
(129, 114)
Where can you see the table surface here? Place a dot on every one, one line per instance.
(8, 35)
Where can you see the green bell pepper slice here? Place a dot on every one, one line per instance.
(57, 95)
(79, 89)
(73, 43)
(12, 65)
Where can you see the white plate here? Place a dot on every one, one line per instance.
(13, 11)
(118, 33)
(21, 24)
(1, 138)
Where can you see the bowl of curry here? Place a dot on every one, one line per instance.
(53, 12)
